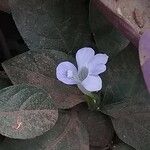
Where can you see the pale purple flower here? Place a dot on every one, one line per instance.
(87, 75)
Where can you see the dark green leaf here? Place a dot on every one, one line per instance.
(67, 134)
(25, 112)
(4, 80)
(38, 68)
(108, 39)
(122, 146)
(126, 99)
(132, 125)
(52, 24)
(98, 125)
(123, 80)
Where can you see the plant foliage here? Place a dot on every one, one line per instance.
(38, 112)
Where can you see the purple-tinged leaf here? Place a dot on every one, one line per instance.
(67, 134)
(38, 68)
(98, 125)
(131, 17)
(144, 53)
(26, 112)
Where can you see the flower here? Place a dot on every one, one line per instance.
(87, 75)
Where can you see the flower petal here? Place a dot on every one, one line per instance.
(65, 72)
(97, 64)
(92, 83)
(83, 90)
(83, 56)
(96, 69)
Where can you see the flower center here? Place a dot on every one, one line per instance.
(69, 74)
(83, 73)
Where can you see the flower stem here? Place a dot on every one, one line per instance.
(93, 101)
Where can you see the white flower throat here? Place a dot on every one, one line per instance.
(82, 74)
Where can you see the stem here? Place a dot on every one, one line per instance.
(93, 101)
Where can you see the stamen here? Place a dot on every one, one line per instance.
(69, 74)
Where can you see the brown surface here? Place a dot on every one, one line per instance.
(131, 17)
(4, 5)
